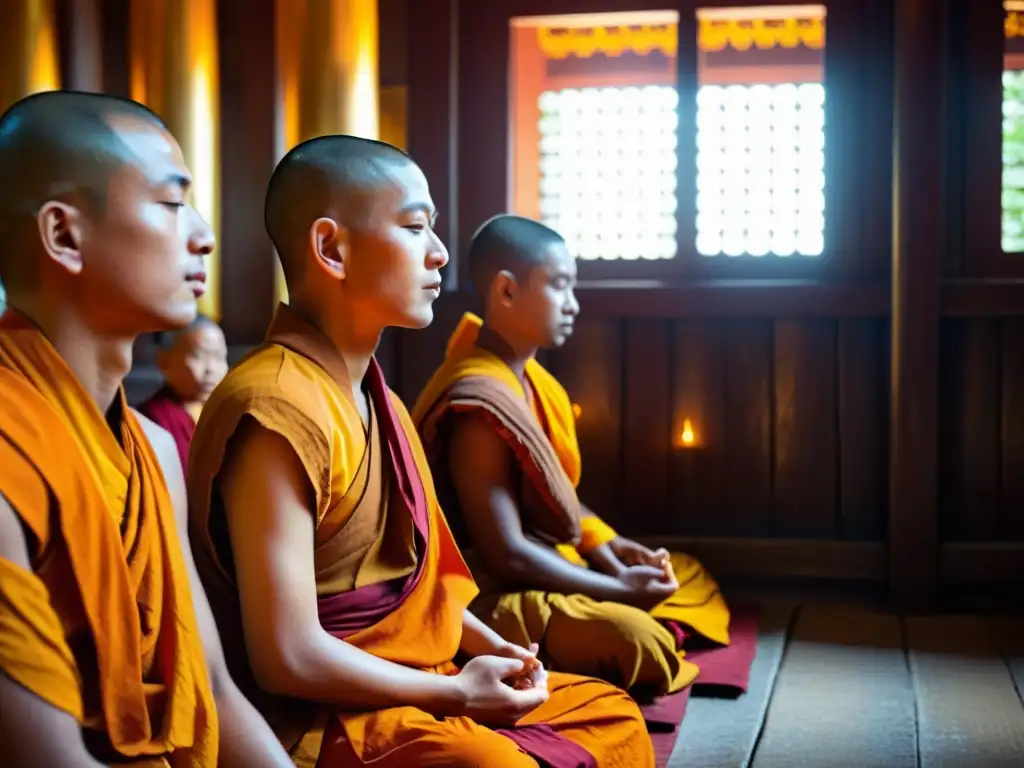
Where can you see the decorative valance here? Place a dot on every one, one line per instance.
(713, 36)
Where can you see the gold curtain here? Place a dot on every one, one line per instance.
(28, 50)
(175, 72)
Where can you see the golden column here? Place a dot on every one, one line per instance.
(174, 71)
(28, 57)
(28, 50)
(328, 79)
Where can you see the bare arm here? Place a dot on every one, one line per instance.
(271, 524)
(245, 738)
(602, 558)
(32, 731)
(484, 485)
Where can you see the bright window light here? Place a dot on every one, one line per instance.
(608, 170)
(1013, 161)
(761, 170)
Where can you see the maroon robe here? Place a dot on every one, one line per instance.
(167, 410)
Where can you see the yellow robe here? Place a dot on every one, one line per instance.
(296, 385)
(623, 644)
(103, 626)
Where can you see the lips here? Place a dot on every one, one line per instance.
(197, 282)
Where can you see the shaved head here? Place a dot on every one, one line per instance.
(336, 176)
(171, 339)
(53, 146)
(508, 243)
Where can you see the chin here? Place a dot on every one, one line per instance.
(179, 315)
(418, 320)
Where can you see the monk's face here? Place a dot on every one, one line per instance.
(140, 254)
(545, 307)
(393, 272)
(197, 363)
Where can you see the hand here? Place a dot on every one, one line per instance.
(631, 553)
(648, 585)
(533, 675)
(489, 699)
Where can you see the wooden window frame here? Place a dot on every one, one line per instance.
(858, 181)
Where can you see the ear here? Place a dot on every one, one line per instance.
(504, 288)
(61, 227)
(330, 245)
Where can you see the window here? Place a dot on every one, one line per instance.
(594, 113)
(1013, 129)
(595, 131)
(761, 132)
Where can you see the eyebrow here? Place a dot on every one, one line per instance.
(176, 179)
(425, 208)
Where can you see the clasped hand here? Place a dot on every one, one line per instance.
(502, 688)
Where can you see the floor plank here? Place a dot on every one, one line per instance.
(968, 708)
(843, 696)
(721, 733)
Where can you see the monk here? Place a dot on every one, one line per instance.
(499, 432)
(317, 528)
(193, 362)
(108, 651)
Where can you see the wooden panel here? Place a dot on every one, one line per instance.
(805, 421)
(863, 436)
(248, 155)
(970, 450)
(646, 444)
(80, 44)
(1011, 517)
(747, 496)
(116, 68)
(590, 369)
(695, 482)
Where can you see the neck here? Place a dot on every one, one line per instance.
(514, 356)
(100, 363)
(355, 343)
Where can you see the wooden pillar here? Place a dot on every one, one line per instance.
(175, 72)
(328, 72)
(80, 42)
(249, 114)
(28, 50)
(918, 240)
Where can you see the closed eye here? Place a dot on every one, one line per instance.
(171, 204)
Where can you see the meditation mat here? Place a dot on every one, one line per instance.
(843, 696)
(722, 732)
(724, 671)
(969, 711)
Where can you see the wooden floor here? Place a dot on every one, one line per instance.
(848, 685)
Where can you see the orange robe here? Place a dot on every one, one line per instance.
(389, 577)
(626, 645)
(103, 625)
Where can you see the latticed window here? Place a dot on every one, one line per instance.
(596, 132)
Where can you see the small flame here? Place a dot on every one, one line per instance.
(577, 410)
(687, 436)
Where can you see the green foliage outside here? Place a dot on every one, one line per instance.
(1013, 161)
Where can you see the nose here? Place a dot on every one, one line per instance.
(201, 241)
(572, 306)
(437, 257)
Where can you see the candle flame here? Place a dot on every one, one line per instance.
(687, 435)
(577, 410)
